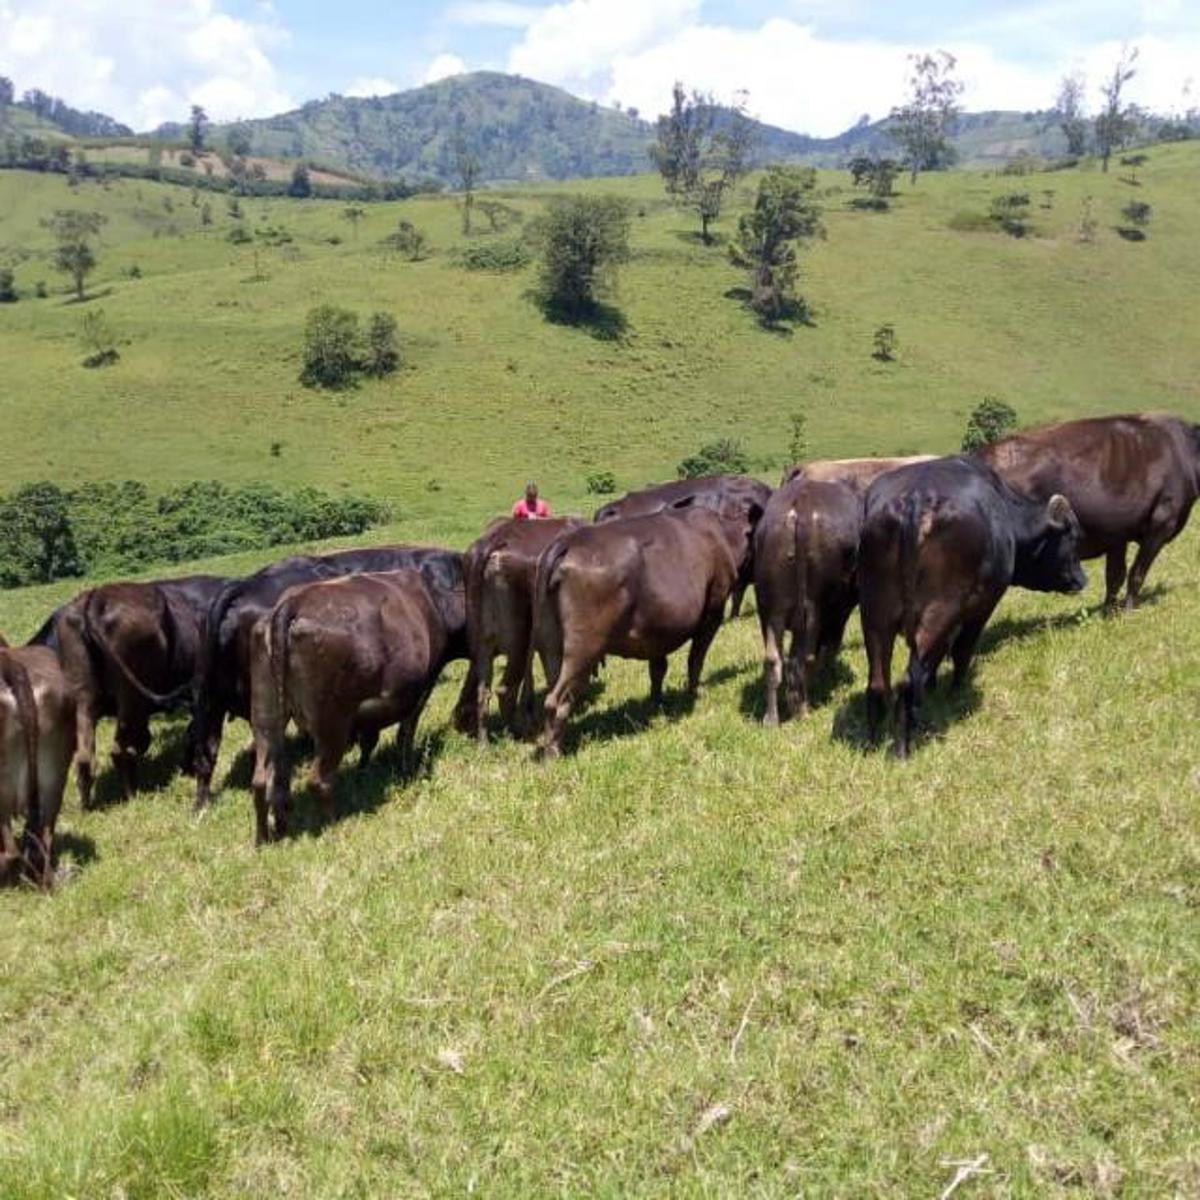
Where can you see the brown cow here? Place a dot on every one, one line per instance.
(857, 473)
(345, 658)
(37, 737)
(500, 569)
(124, 647)
(1129, 479)
(805, 553)
(637, 587)
(708, 491)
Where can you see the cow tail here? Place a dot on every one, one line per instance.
(13, 674)
(277, 653)
(476, 564)
(799, 557)
(910, 554)
(545, 582)
(94, 632)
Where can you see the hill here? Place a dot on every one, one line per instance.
(695, 957)
(523, 130)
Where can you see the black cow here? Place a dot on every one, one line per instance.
(221, 687)
(941, 542)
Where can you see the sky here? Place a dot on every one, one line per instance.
(814, 66)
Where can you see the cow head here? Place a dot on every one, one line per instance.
(1048, 556)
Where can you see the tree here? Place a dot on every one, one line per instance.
(1068, 110)
(407, 240)
(583, 238)
(701, 152)
(197, 125)
(922, 126)
(784, 212)
(878, 174)
(1114, 122)
(301, 185)
(354, 213)
(381, 355)
(37, 543)
(989, 421)
(330, 347)
(73, 230)
(7, 92)
(466, 167)
(238, 140)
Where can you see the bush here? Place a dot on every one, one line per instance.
(239, 235)
(869, 203)
(107, 528)
(507, 254)
(722, 457)
(330, 347)
(8, 290)
(884, 340)
(408, 240)
(1137, 212)
(40, 290)
(990, 420)
(381, 355)
(601, 483)
(582, 238)
(966, 221)
(98, 340)
(1011, 213)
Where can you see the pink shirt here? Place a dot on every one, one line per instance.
(522, 511)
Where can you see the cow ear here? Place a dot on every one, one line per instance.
(1058, 512)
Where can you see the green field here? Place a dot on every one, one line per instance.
(693, 957)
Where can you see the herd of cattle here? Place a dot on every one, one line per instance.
(347, 644)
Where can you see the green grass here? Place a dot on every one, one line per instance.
(694, 957)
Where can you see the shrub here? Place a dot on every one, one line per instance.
(37, 543)
(990, 420)
(98, 340)
(330, 347)
(869, 203)
(1137, 212)
(966, 221)
(601, 483)
(1011, 213)
(408, 240)
(506, 254)
(884, 340)
(40, 290)
(8, 290)
(583, 238)
(381, 355)
(722, 457)
(239, 235)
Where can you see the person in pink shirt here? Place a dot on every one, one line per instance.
(530, 507)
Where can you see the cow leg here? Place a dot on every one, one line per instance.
(368, 739)
(963, 649)
(208, 747)
(772, 670)
(880, 642)
(131, 740)
(483, 692)
(572, 677)
(406, 735)
(10, 855)
(85, 752)
(511, 683)
(464, 707)
(701, 640)
(658, 672)
(927, 649)
(736, 596)
(1148, 550)
(1114, 576)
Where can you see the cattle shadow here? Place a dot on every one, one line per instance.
(358, 790)
(726, 673)
(155, 770)
(942, 707)
(828, 680)
(627, 719)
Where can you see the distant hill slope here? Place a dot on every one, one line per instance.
(39, 113)
(524, 130)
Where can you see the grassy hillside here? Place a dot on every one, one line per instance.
(694, 957)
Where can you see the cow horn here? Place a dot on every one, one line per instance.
(1059, 512)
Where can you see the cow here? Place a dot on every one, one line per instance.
(221, 686)
(941, 543)
(344, 658)
(128, 650)
(1131, 478)
(711, 491)
(805, 556)
(37, 739)
(636, 587)
(857, 473)
(500, 568)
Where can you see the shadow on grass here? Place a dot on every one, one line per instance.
(154, 771)
(693, 237)
(626, 719)
(783, 323)
(604, 322)
(943, 707)
(87, 297)
(80, 847)
(826, 681)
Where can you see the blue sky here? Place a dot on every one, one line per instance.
(811, 65)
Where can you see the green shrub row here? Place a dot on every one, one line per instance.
(47, 532)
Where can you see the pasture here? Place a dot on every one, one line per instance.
(695, 956)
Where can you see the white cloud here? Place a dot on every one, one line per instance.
(144, 61)
(372, 85)
(443, 67)
(796, 77)
(493, 12)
